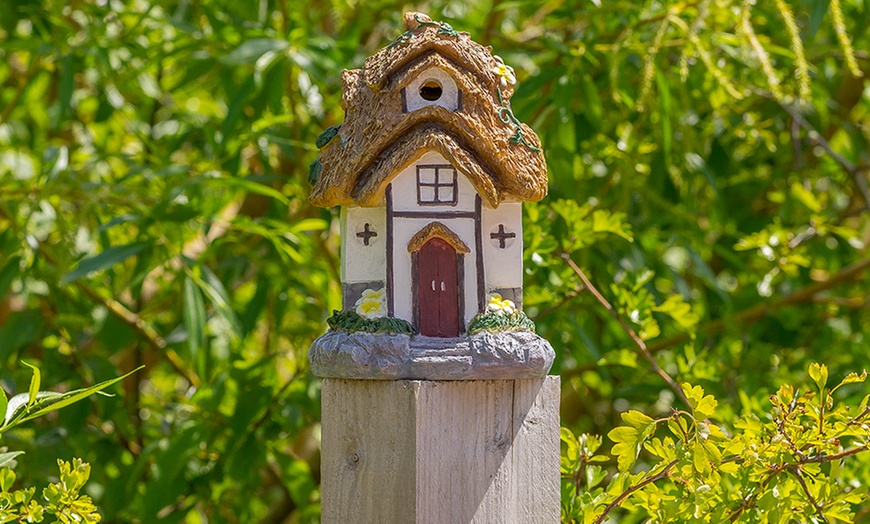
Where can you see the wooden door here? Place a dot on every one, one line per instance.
(438, 289)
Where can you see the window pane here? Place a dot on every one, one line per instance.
(427, 175)
(445, 194)
(427, 193)
(445, 175)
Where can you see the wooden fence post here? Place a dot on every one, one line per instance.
(484, 451)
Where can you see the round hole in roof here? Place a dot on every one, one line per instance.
(431, 90)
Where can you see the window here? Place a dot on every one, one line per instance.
(436, 185)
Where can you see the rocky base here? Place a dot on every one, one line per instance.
(482, 356)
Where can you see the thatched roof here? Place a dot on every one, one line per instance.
(378, 140)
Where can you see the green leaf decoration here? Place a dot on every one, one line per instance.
(106, 259)
(506, 115)
(314, 171)
(327, 135)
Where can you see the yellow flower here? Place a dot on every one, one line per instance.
(497, 304)
(372, 294)
(371, 309)
(504, 72)
(372, 304)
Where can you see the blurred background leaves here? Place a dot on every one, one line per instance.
(708, 170)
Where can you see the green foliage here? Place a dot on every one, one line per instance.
(495, 321)
(62, 500)
(707, 172)
(795, 464)
(35, 403)
(350, 321)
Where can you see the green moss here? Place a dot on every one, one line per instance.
(497, 321)
(351, 322)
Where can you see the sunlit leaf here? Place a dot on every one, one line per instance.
(252, 50)
(194, 318)
(702, 406)
(7, 458)
(819, 374)
(108, 258)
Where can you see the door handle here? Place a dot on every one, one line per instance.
(433, 285)
(442, 286)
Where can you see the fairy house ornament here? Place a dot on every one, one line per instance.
(430, 168)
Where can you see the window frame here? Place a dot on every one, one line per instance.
(437, 185)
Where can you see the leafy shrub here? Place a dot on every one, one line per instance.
(707, 170)
(788, 465)
(63, 499)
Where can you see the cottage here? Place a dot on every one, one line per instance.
(430, 168)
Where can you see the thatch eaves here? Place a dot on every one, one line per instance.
(378, 140)
(371, 185)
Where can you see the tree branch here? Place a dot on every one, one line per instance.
(857, 174)
(142, 329)
(749, 500)
(625, 494)
(756, 312)
(567, 298)
(820, 459)
(641, 345)
(797, 473)
(22, 86)
(122, 313)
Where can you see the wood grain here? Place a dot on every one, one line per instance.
(441, 452)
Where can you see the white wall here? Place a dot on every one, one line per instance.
(405, 188)
(503, 267)
(361, 263)
(403, 230)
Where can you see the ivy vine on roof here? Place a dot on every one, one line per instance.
(444, 29)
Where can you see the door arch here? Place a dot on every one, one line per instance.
(438, 275)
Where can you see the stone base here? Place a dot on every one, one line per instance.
(482, 356)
